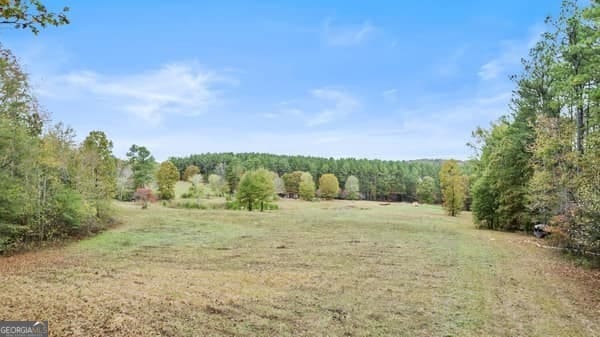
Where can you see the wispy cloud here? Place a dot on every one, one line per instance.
(510, 54)
(339, 104)
(173, 89)
(346, 35)
(322, 106)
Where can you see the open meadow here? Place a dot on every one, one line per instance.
(332, 268)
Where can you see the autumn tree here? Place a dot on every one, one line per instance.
(189, 172)
(329, 186)
(255, 188)
(306, 187)
(453, 187)
(166, 178)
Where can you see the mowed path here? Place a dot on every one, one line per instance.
(310, 269)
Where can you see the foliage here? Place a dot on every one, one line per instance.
(352, 188)
(307, 187)
(142, 163)
(378, 179)
(278, 184)
(453, 187)
(539, 164)
(166, 179)
(30, 14)
(292, 183)
(189, 172)
(217, 184)
(426, 190)
(98, 170)
(329, 186)
(256, 187)
(124, 183)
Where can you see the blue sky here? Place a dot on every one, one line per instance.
(374, 79)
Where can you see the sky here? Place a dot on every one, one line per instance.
(392, 80)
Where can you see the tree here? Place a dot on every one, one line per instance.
(307, 187)
(278, 184)
(426, 190)
(197, 189)
(166, 178)
(30, 14)
(99, 167)
(217, 184)
(189, 172)
(453, 187)
(352, 188)
(292, 183)
(255, 188)
(329, 186)
(234, 172)
(125, 189)
(142, 163)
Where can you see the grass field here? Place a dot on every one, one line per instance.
(310, 269)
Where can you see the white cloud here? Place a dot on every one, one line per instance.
(173, 89)
(346, 35)
(339, 103)
(323, 106)
(510, 55)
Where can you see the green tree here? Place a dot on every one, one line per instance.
(329, 186)
(99, 170)
(142, 163)
(453, 187)
(189, 172)
(234, 172)
(352, 187)
(30, 14)
(426, 190)
(292, 183)
(166, 178)
(307, 187)
(255, 188)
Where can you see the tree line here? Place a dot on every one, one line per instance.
(377, 179)
(540, 164)
(51, 186)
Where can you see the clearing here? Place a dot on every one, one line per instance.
(310, 269)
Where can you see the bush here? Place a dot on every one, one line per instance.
(12, 236)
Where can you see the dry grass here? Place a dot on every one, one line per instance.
(309, 269)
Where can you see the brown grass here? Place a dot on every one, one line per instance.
(310, 269)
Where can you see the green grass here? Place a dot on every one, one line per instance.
(310, 269)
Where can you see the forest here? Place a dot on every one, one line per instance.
(540, 163)
(378, 179)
